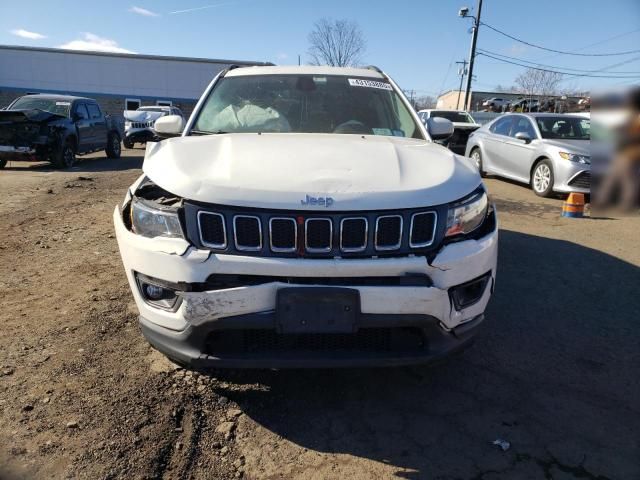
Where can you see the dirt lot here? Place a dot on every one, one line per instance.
(82, 395)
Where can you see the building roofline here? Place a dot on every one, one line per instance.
(131, 55)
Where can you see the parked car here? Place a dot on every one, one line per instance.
(56, 128)
(138, 124)
(463, 125)
(496, 104)
(548, 151)
(524, 105)
(305, 217)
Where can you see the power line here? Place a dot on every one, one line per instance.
(561, 68)
(599, 42)
(612, 54)
(558, 71)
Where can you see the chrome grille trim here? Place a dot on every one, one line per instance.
(306, 236)
(295, 235)
(221, 246)
(366, 235)
(245, 248)
(433, 232)
(388, 247)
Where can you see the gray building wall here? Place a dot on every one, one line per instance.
(110, 78)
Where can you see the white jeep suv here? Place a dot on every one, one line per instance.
(304, 217)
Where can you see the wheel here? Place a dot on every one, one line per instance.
(65, 157)
(113, 149)
(476, 156)
(3, 163)
(127, 143)
(542, 178)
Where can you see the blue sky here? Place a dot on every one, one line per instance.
(415, 41)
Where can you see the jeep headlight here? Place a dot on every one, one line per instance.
(465, 216)
(154, 221)
(574, 157)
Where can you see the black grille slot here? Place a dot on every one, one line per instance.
(423, 229)
(371, 340)
(248, 234)
(283, 233)
(212, 230)
(388, 232)
(318, 233)
(582, 180)
(353, 234)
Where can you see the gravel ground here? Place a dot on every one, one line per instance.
(554, 373)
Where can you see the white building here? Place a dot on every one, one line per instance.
(117, 81)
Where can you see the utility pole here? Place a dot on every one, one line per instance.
(462, 72)
(472, 53)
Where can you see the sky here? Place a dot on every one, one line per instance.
(417, 42)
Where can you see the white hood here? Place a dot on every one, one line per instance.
(142, 116)
(279, 171)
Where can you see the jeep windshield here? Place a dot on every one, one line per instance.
(305, 104)
(57, 107)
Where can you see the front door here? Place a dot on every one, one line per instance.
(84, 129)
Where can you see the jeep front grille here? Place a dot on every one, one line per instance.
(313, 234)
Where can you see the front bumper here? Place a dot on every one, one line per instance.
(25, 154)
(570, 177)
(183, 334)
(139, 135)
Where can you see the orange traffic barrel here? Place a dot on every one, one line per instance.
(574, 206)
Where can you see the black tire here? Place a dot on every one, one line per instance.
(476, 156)
(128, 144)
(113, 149)
(65, 157)
(3, 163)
(542, 178)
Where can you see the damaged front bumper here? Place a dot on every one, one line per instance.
(235, 325)
(18, 153)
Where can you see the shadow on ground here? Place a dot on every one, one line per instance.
(554, 373)
(84, 164)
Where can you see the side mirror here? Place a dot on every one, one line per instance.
(524, 137)
(169, 126)
(439, 128)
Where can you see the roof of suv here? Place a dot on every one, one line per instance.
(65, 98)
(305, 70)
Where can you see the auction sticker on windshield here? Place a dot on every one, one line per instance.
(358, 82)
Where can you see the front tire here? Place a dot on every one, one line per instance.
(542, 178)
(65, 157)
(128, 144)
(113, 149)
(3, 163)
(476, 156)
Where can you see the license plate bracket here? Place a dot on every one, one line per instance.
(317, 310)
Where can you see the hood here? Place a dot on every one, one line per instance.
(33, 115)
(142, 116)
(280, 170)
(581, 147)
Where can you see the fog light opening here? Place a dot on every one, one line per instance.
(156, 294)
(468, 293)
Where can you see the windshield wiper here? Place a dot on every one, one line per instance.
(201, 132)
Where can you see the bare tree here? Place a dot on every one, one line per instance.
(539, 83)
(338, 43)
(425, 101)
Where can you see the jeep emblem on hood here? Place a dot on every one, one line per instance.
(320, 201)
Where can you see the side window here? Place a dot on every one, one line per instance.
(502, 126)
(94, 110)
(522, 124)
(81, 111)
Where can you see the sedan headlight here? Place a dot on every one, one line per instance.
(154, 221)
(464, 217)
(574, 157)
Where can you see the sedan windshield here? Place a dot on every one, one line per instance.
(59, 107)
(461, 117)
(566, 128)
(305, 104)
